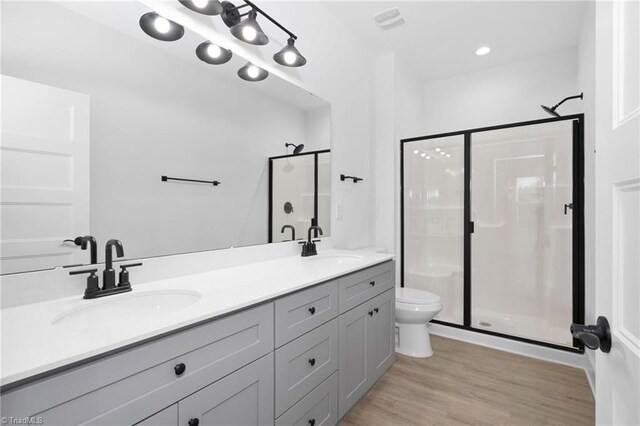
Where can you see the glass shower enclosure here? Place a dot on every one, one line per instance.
(492, 222)
(299, 195)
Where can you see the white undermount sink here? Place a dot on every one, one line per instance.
(126, 309)
(336, 259)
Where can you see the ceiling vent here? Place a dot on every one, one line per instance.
(389, 18)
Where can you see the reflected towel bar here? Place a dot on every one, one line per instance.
(210, 182)
(355, 179)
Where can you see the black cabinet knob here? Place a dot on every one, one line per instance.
(179, 369)
(194, 422)
(312, 422)
(312, 361)
(376, 310)
(312, 310)
(370, 313)
(372, 283)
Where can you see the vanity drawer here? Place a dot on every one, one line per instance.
(124, 388)
(361, 286)
(319, 407)
(305, 310)
(304, 363)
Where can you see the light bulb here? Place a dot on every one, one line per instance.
(290, 58)
(249, 33)
(162, 25)
(415, 151)
(253, 71)
(427, 157)
(483, 50)
(214, 51)
(423, 154)
(448, 155)
(437, 149)
(441, 152)
(200, 3)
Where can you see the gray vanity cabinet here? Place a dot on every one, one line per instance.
(242, 398)
(166, 417)
(366, 347)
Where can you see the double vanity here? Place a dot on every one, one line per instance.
(285, 341)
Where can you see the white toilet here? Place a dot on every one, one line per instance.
(414, 309)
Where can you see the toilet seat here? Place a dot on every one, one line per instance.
(415, 296)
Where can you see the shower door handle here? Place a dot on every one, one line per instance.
(472, 227)
(568, 206)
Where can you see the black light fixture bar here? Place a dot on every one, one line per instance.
(263, 13)
(210, 182)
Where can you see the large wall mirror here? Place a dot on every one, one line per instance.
(95, 113)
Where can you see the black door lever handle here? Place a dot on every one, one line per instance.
(594, 336)
(568, 206)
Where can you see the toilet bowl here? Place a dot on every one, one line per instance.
(414, 309)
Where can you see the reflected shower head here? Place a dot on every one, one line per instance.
(552, 110)
(297, 149)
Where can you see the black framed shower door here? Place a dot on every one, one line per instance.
(451, 218)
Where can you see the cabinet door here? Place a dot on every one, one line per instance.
(353, 356)
(243, 398)
(381, 334)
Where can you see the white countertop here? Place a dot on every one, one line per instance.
(32, 345)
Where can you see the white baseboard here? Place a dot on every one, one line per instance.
(521, 348)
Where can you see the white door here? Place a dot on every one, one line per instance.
(618, 209)
(44, 157)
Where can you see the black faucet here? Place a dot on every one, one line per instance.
(293, 231)
(309, 246)
(83, 241)
(93, 289)
(109, 275)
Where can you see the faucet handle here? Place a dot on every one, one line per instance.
(124, 274)
(316, 241)
(93, 286)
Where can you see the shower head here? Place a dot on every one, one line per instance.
(552, 110)
(297, 149)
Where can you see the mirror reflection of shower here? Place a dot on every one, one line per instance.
(552, 110)
(297, 149)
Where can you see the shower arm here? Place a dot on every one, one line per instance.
(566, 99)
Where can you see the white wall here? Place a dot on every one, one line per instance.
(153, 114)
(587, 82)
(398, 114)
(504, 94)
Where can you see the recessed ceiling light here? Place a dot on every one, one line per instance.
(483, 50)
(427, 157)
(415, 151)
(437, 149)
(448, 155)
(423, 155)
(441, 152)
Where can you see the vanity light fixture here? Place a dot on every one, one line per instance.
(212, 53)
(249, 30)
(289, 56)
(252, 72)
(160, 28)
(483, 50)
(206, 7)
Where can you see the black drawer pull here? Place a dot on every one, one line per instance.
(194, 422)
(312, 361)
(370, 313)
(312, 310)
(376, 310)
(312, 422)
(372, 283)
(180, 369)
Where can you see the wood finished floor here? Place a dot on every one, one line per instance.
(469, 384)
